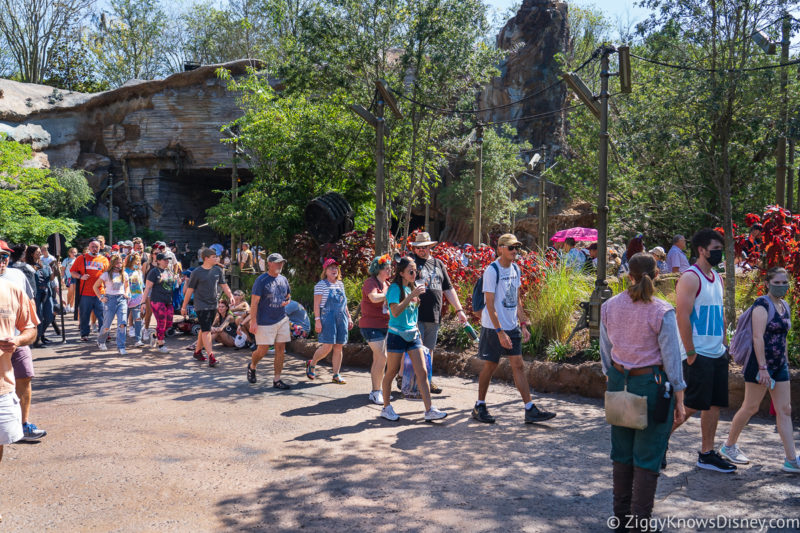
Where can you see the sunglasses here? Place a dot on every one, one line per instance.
(412, 271)
(514, 247)
(4, 257)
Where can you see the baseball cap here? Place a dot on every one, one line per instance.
(161, 257)
(329, 262)
(208, 252)
(115, 247)
(507, 239)
(159, 244)
(275, 258)
(5, 247)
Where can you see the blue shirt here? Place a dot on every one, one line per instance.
(273, 292)
(297, 315)
(407, 320)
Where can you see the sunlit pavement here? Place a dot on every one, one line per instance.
(161, 442)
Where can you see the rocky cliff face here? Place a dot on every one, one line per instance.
(532, 38)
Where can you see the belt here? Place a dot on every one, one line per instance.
(637, 371)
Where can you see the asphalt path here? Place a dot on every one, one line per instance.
(160, 442)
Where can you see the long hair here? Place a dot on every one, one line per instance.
(635, 246)
(30, 251)
(402, 265)
(227, 309)
(642, 269)
(113, 263)
(131, 259)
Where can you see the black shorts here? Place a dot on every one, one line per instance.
(706, 382)
(490, 349)
(206, 318)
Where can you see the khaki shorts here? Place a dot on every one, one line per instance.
(269, 335)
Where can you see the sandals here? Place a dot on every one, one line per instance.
(280, 385)
(338, 379)
(310, 374)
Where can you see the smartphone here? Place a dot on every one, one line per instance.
(771, 383)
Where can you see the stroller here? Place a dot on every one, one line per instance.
(189, 325)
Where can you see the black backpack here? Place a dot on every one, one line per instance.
(478, 301)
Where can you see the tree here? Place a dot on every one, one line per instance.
(31, 28)
(71, 67)
(71, 196)
(22, 187)
(127, 41)
(300, 146)
(501, 166)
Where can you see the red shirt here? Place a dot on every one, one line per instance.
(94, 266)
(372, 315)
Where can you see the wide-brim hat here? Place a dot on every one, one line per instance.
(423, 238)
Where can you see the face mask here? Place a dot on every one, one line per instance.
(778, 291)
(715, 257)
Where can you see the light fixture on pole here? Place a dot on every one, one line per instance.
(766, 44)
(582, 91)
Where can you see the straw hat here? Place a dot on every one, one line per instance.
(423, 238)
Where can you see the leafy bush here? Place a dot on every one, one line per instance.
(91, 226)
(557, 351)
(74, 194)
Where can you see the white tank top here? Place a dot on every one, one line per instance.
(708, 324)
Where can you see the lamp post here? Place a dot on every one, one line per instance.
(601, 291)
(476, 234)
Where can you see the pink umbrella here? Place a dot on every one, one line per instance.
(579, 234)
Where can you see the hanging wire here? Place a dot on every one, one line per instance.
(711, 70)
(534, 117)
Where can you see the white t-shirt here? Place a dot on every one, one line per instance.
(115, 287)
(506, 293)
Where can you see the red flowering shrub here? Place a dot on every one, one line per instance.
(353, 253)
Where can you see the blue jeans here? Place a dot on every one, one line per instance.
(116, 305)
(87, 305)
(136, 316)
(44, 308)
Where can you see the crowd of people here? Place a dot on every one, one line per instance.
(674, 358)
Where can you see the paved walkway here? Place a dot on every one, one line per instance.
(154, 442)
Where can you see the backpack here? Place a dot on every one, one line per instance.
(741, 345)
(478, 300)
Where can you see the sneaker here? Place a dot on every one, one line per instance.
(199, 356)
(251, 374)
(481, 414)
(280, 385)
(338, 379)
(734, 455)
(153, 340)
(376, 397)
(713, 461)
(123, 351)
(139, 344)
(389, 414)
(102, 346)
(534, 414)
(145, 334)
(791, 466)
(30, 433)
(310, 374)
(131, 334)
(212, 361)
(434, 414)
(435, 389)
(163, 348)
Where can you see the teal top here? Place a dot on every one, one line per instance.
(407, 321)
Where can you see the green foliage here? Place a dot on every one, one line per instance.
(92, 226)
(592, 353)
(501, 164)
(557, 351)
(127, 41)
(71, 67)
(72, 195)
(22, 188)
(301, 148)
(551, 309)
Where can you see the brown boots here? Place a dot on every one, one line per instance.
(634, 494)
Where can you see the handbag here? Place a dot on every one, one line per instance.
(626, 409)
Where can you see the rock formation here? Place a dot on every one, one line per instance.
(160, 139)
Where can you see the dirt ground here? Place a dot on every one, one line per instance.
(159, 442)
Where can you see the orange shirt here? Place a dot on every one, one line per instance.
(16, 314)
(94, 266)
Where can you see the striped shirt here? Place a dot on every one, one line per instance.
(323, 287)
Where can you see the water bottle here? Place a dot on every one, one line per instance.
(469, 330)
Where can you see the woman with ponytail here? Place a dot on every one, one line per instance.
(639, 348)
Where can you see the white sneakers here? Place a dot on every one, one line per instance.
(102, 346)
(389, 414)
(139, 344)
(734, 455)
(430, 415)
(376, 397)
(123, 351)
(434, 414)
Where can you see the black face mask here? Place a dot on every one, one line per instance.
(715, 257)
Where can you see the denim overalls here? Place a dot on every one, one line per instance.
(334, 316)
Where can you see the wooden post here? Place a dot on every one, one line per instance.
(780, 178)
(234, 195)
(381, 220)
